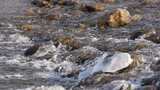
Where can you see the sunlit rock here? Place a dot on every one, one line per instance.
(119, 18)
(113, 63)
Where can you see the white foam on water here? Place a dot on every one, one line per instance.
(18, 75)
(44, 50)
(19, 38)
(55, 87)
(43, 64)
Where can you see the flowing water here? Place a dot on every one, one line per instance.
(20, 72)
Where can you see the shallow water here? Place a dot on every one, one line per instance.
(50, 65)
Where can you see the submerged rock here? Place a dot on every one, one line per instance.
(154, 37)
(41, 3)
(112, 64)
(66, 2)
(156, 66)
(70, 42)
(119, 18)
(153, 80)
(32, 50)
(92, 7)
(118, 85)
(108, 1)
(103, 78)
(83, 54)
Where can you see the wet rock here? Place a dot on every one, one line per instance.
(102, 23)
(142, 33)
(92, 7)
(155, 66)
(153, 80)
(129, 46)
(45, 50)
(26, 27)
(32, 50)
(70, 42)
(136, 17)
(41, 3)
(100, 79)
(112, 64)
(148, 87)
(137, 60)
(30, 12)
(108, 1)
(66, 2)
(136, 34)
(120, 17)
(154, 37)
(118, 85)
(81, 55)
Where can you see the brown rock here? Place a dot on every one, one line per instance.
(108, 1)
(119, 18)
(42, 3)
(26, 27)
(154, 37)
(30, 12)
(69, 41)
(68, 2)
(92, 7)
(136, 17)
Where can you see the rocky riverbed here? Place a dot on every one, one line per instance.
(79, 45)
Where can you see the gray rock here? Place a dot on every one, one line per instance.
(113, 63)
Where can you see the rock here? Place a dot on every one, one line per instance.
(32, 50)
(83, 54)
(92, 7)
(136, 17)
(154, 37)
(108, 1)
(45, 50)
(101, 79)
(69, 41)
(112, 64)
(26, 27)
(120, 17)
(141, 33)
(101, 23)
(118, 85)
(30, 12)
(137, 60)
(148, 87)
(129, 46)
(136, 34)
(152, 80)
(53, 16)
(155, 66)
(67, 2)
(42, 3)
